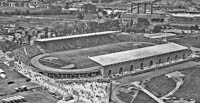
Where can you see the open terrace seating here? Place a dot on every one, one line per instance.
(82, 42)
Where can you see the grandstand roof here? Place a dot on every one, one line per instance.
(131, 15)
(129, 55)
(143, 1)
(187, 15)
(159, 35)
(76, 36)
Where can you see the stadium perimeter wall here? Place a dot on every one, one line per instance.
(136, 64)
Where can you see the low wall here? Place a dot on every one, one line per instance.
(188, 41)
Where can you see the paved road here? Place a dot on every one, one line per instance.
(178, 85)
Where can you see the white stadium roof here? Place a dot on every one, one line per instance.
(129, 55)
(76, 36)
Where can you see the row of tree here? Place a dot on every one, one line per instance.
(77, 27)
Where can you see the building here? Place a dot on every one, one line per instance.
(2, 74)
(184, 19)
(129, 60)
(23, 3)
(154, 19)
(15, 3)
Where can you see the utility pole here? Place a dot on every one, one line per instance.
(110, 92)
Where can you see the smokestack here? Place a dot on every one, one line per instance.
(131, 7)
(145, 8)
(152, 8)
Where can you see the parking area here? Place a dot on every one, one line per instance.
(15, 85)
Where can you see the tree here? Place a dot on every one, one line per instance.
(80, 16)
(196, 27)
(67, 5)
(27, 12)
(53, 10)
(143, 21)
(131, 22)
(142, 24)
(17, 11)
(192, 28)
(89, 8)
(157, 29)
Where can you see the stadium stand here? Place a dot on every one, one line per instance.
(136, 38)
(76, 42)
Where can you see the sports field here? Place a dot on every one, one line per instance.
(79, 57)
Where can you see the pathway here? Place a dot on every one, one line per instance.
(178, 85)
(40, 79)
(135, 95)
(148, 93)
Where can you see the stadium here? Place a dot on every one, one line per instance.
(105, 59)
